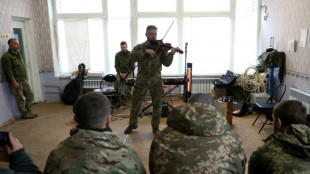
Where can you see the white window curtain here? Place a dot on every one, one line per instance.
(80, 41)
(245, 35)
(208, 44)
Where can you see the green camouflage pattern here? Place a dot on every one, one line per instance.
(91, 152)
(198, 139)
(118, 85)
(285, 151)
(148, 78)
(13, 66)
(123, 63)
(24, 91)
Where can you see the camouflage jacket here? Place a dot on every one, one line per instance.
(149, 69)
(285, 151)
(20, 163)
(198, 139)
(123, 63)
(13, 66)
(88, 151)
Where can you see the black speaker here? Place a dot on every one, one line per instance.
(165, 110)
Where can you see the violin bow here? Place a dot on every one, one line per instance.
(165, 35)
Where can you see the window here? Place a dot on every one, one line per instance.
(80, 41)
(245, 52)
(79, 6)
(121, 8)
(157, 6)
(206, 5)
(209, 44)
(221, 34)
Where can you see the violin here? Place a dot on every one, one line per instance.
(158, 45)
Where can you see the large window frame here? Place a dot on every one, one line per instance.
(135, 15)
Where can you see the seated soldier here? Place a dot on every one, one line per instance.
(20, 162)
(92, 147)
(198, 139)
(287, 150)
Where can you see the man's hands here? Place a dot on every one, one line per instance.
(173, 50)
(14, 82)
(152, 53)
(16, 145)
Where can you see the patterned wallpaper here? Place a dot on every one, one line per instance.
(30, 9)
(286, 19)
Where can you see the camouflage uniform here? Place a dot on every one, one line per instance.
(123, 64)
(148, 78)
(89, 151)
(13, 66)
(285, 151)
(20, 163)
(198, 139)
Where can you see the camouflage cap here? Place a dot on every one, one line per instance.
(197, 119)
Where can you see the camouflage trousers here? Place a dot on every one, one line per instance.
(122, 88)
(156, 91)
(24, 91)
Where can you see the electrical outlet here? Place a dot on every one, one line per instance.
(2, 36)
(9, 36)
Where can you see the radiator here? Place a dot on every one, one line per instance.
(202, 84)
(296, 94)
(94, 83)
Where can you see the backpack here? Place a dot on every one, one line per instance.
(72, 90)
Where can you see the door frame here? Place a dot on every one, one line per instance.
(31, 61)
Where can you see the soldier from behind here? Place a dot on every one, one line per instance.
(92, 147)
(198, 139)
(287, 150)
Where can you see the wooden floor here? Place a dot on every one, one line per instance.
(55, 120)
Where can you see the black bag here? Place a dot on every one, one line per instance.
(71, 92)
(225, 80)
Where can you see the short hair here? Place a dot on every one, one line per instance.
(151, 27)
(92, 110)
(123, 43)
(10, 40)
(201, 98)
(290, 112)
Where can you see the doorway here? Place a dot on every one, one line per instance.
(22, 29)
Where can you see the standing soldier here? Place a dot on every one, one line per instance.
(124, 68)
(16, 75)
(149, 78)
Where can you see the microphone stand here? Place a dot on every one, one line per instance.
(185, 76)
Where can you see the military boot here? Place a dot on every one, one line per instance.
(27, 115)
(30, 113)
(129, 129)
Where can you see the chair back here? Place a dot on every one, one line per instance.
(277, 95)
(109, 78)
